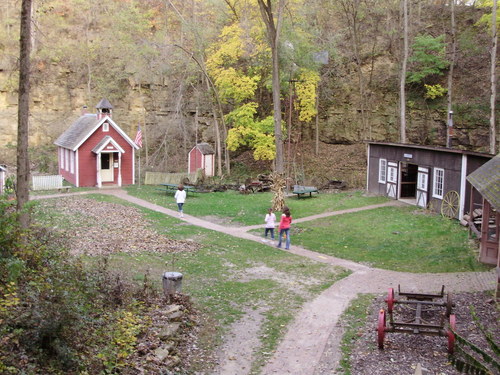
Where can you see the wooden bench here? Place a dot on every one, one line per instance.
(172, 188)
(302, 190)
(52, 182)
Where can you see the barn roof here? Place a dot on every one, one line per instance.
(205, 148)
(83, 128)
(486, 179)
(431, 148)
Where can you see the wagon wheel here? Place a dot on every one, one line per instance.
(449, 305)
(451, 335)
(381, 329)
(450, 204)
(390, 300)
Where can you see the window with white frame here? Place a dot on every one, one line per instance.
(61, 156)
(66, 159)
(105, 127)
(392, 174)
(422, 179)
(382, 171)
(72, 162)
(438, 183)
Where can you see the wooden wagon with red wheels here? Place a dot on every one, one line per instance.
(417, 313)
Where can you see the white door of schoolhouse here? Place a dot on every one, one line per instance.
(107, 172)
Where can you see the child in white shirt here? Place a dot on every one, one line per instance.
(180, 198)
(270, 220)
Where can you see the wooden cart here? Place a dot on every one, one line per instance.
(432, 315)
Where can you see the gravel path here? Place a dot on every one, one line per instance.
(301, 352)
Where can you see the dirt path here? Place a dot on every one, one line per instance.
(302, 350)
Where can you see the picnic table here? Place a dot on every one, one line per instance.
(301, 190)
(172, 188)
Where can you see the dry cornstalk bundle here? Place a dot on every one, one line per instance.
(278, 188)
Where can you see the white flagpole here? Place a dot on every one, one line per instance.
(139, 178)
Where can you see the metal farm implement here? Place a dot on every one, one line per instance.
(421, 314)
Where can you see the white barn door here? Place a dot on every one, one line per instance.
(392, 180)
(422, 186)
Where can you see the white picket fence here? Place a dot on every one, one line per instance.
(48, 182)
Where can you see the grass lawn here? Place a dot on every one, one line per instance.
(226, 278)
(397, 238)
(250, 209)
(353, 320)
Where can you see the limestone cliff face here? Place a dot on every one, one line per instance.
(54, 108)
(172, 105)
(168, 118)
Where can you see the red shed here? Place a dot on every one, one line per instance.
(95, 151)
(202, 156)
(485, 218)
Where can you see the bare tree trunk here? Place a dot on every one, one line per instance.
(273, 32)
(351, 11)
(218, 148)
(211, 84)
(216, 95)
(402, 83)
(88, 63)
(23, 164)
(449, 129)
(494, 42)
(316, 149)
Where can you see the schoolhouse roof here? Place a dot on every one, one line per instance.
(486, 179)
(77, 132)
(104, 104)
(83, 128)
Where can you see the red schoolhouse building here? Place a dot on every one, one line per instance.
(94, 151)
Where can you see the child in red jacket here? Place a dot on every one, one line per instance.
(285, 222)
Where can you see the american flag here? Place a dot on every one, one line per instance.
(138, 137)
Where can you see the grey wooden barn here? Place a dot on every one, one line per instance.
(427, 176)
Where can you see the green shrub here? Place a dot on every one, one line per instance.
(55, 312)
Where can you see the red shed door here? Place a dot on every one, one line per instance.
(107, 167)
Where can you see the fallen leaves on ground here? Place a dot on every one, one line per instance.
(101, 228)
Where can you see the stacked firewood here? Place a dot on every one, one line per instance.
(278, 188)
